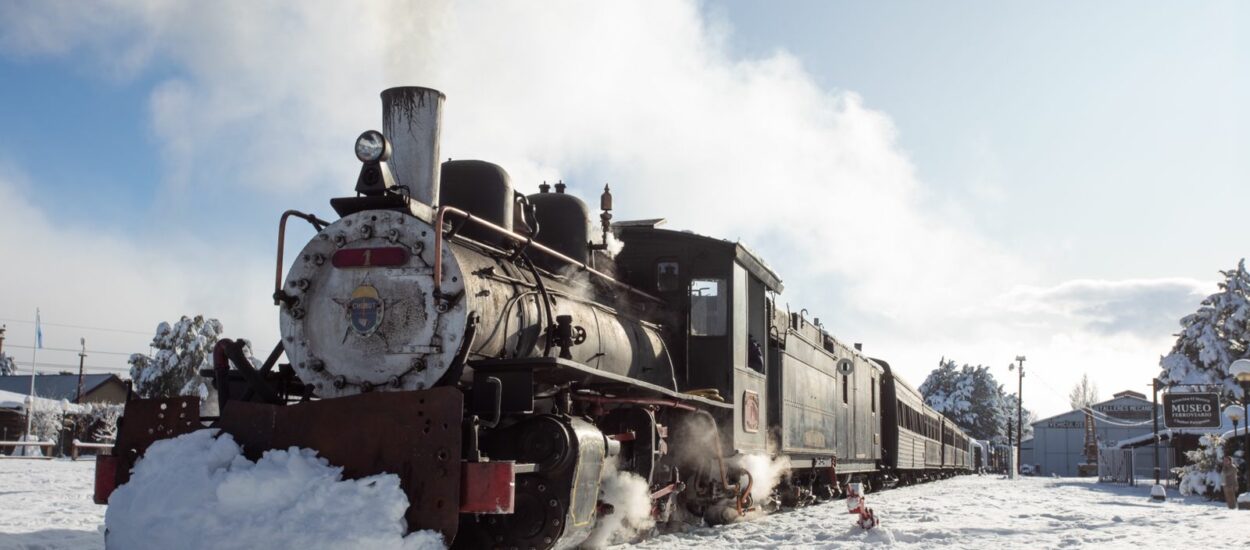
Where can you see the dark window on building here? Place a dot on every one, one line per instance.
(844, 390)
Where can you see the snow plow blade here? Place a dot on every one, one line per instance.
(413, 434)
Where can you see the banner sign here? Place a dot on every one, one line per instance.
(1191, 410)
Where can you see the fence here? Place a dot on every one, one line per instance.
(45, 446)
(79, 445)
(1116, 466)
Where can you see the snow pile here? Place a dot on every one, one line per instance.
(765, 472)
(199, 491)
(30, 451)
(630, 499)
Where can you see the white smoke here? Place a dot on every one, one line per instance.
(614, 244)
(766, 474)
(630, 498)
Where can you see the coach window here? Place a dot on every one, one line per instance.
(874, 395)
(708, 307)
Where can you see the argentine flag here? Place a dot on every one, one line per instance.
(38, 331)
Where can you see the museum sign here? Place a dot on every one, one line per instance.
(1191, 410)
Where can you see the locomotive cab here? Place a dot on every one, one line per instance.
(722, 325)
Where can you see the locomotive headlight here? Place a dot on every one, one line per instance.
(372, 146)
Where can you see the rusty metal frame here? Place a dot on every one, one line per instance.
(146, 421)
(415, 435)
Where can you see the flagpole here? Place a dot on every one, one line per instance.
(34, 354)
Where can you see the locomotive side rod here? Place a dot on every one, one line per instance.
(443, 211)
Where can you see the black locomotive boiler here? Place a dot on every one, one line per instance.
(500, 351)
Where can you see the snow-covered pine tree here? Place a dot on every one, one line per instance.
(181, 351)
(1009, 414)
(1213, 337)
(971, 397)
(940, 386)
(1202, 475)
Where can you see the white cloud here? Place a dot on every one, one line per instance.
(642, 95)
(80, 276)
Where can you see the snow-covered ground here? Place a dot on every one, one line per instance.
(995, 513)
(47, 505)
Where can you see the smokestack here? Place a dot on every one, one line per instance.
(411, 117)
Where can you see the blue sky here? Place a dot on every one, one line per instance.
(970, 180)
(1100, 134)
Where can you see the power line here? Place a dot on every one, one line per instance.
(82, 327)
(41, 364)
(89, 352)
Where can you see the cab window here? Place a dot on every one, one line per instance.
(708, 307)
(667, 276)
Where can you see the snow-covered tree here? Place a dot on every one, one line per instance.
(47, 423)
(98, 422)
(971, 397)
(181, 351)
(1213, 337)
(1083, 394)
(1010, 415)
(1202, 475)
(8, 367)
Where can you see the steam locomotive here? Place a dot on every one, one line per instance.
(500, 353)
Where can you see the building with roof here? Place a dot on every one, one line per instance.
(1058, 443)
(96, 388)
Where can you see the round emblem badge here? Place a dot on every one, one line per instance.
(365, 310)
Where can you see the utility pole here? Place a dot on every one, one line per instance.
(1010, 443)
(82, 356)
(1019, 408)
(1154, 412)
(30, 399)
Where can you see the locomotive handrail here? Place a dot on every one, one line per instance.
(443, 211)
(317, 224)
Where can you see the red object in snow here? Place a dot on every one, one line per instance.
(105, 478)
(867, 519)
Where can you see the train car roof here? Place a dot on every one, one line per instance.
(745, 256)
